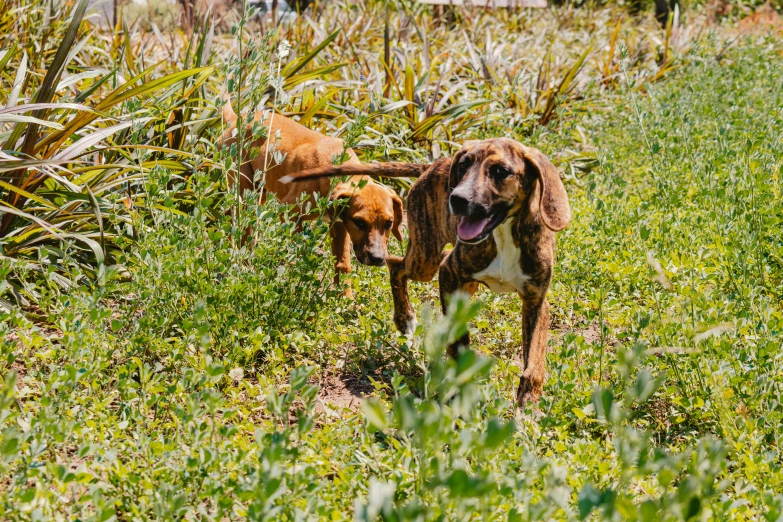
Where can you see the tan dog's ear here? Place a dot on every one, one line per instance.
(343, 191)
(553, 201)
(397, 203)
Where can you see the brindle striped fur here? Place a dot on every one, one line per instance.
(537, 204)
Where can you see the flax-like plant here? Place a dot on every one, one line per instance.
(73, 161)
(553, 86)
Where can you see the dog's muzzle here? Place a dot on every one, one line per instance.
(371, 257)
(375, 260)
(476, 227)
(477, 220)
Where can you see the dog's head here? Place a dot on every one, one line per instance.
(493, 179)
(369, 214)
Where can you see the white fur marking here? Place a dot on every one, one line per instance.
(410, 328)
(504, 274)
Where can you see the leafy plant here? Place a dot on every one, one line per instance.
(196, 376)
(63, 198)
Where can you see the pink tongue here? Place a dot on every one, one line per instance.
(469, 229)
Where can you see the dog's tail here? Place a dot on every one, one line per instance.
(229, 116)
(383, 170)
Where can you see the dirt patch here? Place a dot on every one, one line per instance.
(592, 333)
(344, 391)
(762, 21)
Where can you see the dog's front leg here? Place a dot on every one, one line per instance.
(450, 281)
(404, 316)
(535, 324)
(341, 249)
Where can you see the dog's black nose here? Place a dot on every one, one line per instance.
(462, 206)
(374, 259)
(459, 204)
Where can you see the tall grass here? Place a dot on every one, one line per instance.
(78, 140)
(84, 124)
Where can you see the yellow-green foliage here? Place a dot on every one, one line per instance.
(155, 366)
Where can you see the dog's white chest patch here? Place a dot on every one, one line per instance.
(504, 274)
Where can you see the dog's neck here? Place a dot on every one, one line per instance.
(504, 272)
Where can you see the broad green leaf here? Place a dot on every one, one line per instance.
(375, 414)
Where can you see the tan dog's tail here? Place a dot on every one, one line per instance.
(384, 170)
(229, 116)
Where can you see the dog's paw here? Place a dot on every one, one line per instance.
(529, 412)
(406, 323)
(348, 292)
(527, 403)
(523, 399)
(529, 390)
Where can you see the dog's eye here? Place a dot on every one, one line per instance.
(360, 224)
(388, 225)
(499, 172)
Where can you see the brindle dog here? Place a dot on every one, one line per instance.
(499, 203)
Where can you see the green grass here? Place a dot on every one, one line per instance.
(194, 378)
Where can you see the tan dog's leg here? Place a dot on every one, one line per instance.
(341, 249)
(449, 282)
(535, 324)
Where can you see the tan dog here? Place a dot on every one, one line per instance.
(369, 212)
(499, 203)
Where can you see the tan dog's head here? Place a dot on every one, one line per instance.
(492, 179)
(369, 214)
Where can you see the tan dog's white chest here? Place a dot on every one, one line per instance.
(504, 274)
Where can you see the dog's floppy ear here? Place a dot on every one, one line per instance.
(553, 201)
(341, 193)
(397, 203)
